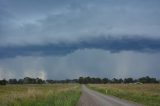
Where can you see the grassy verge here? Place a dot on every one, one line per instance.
(146, 94)
(40, 95)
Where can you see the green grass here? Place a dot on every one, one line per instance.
(146, 94)
(40, 95)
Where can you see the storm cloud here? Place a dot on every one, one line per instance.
(64, 48)
(30, 22)
(72, 38)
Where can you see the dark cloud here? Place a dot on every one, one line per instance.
(110, 44)
(25, 22)
(69, 38)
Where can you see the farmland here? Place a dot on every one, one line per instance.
(146, 94)
(40, 95)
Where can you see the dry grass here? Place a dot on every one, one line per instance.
(147, 94)
(18, 95)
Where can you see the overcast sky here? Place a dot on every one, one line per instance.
(59, 39)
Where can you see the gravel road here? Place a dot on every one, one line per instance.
(93, 98)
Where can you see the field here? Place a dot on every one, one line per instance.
(40, 95)
(146, 94)
(69, 94)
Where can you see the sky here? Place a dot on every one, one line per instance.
(65, 39)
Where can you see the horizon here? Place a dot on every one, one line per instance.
(53, 39)
(80, 77)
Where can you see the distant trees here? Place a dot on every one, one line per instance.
(3, 82)
(26, 80)
(81, 80)
(147, 79)
(92, 80)
(105, 80)
(129, 80)
(62, 81)
(20, 81)
(86, 80)
(12, 81)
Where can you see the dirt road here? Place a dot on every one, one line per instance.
(93, 98)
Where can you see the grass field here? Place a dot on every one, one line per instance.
(40, 95)
(146, 94)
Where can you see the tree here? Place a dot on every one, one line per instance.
(147, 79)
(28, 80)
(39, 81)
(81, 80)
(114, 80)
(120, 80)
(128, 80)
(105, 80)
(3, 82)
(20, 81)
(12, 81)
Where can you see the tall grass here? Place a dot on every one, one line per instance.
(39, 95)
(147, 94)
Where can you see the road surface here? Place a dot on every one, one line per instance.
(93, 98)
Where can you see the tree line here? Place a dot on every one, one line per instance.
(92, 80)
(81, 80)
(26, 80)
